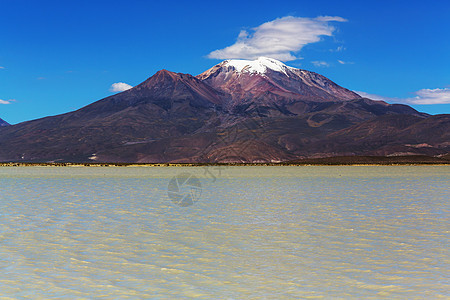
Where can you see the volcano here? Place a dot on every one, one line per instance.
(237, 111)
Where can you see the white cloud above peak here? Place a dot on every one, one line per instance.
(281, 38)
(119, 87)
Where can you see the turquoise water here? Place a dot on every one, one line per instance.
(229, 233)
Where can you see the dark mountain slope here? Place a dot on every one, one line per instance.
(3, 123)
(388, 135)
(238, 111)
(165, 105)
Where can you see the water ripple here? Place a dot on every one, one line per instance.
(256, 232)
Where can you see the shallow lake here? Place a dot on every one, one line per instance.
(225, 232)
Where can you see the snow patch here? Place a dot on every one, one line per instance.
(258, 66)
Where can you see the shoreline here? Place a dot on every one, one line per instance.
(219, 165)
(406, 160)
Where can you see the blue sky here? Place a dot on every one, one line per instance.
(57, 56)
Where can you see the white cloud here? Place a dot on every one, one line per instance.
(345, 62)
(338, 49)
(424, 96)
(119, 87)
(373, 96)
(328, 19)
(6, 101)
(281, 38)
(2, 67)
(320, 63)
(432, 96)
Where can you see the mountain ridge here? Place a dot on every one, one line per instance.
(261, 111)
(3, 123)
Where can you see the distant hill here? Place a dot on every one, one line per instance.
(237, 111)
(3, 123)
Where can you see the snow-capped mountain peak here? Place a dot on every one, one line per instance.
(243, 79)
(258, 66)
